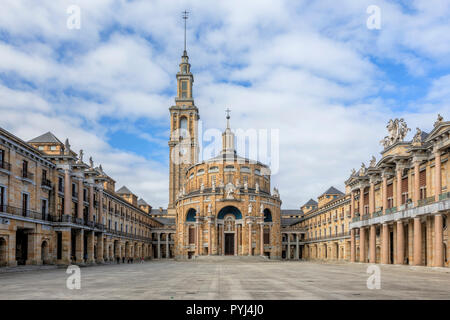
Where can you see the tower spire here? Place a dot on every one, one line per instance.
(185, 17)
(228, 111)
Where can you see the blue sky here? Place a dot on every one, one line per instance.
(312, 70)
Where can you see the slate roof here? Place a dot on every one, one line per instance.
(165, 221)
(46, 138)
(141, 202)
(289, 212)
(124, 190)
(311, 202)
(332, 190)
(286, 222)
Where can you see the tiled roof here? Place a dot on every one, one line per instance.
(291, 212)
(165, 221)
(141, 202)
(124, 190)
(332, 190)
(285, 222)
(311, 202)
(46, 138)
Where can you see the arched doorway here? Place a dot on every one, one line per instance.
(230, 235)
(45, 252)
(3, 252)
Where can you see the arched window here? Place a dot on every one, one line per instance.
(183, 126)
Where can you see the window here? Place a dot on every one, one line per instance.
(41, 148)
(60, 184)
(2, 157)
(191, 235)
(115, 225)
(184, 89)
(43, 206)
(25, 169)
(183, 126)
(24, 204)
(245, 170)
(53, 148)
(2, 199)
(213, 169)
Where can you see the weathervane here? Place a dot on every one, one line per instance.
(185, 17)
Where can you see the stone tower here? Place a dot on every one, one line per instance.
(183, 141)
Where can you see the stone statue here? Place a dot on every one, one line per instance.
(91, 162)
(353, 172)
(256, 187)
(81, 156)
(202, 188)
(397, 130)
(221, 185)
(418, 136)
(362, 171)
(439, 120)
(184, 190)
(67, 146)
(229, 190)
(245, 186)
(101, 169)
(250, 207)
(276, 193)
(261, 208)
(209, 208)
(238, 183)
(373, 162)
(214, 186)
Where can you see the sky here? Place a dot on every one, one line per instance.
(313, 71)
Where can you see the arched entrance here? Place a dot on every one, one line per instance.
(3, 252)
(230, 235)
(45, 252)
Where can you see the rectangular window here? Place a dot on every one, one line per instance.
(2, 158)
(2, 199)
(24, 204)
(25, 169)
(266, 236)
(184, 89)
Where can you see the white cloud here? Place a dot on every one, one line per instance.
(310, 70)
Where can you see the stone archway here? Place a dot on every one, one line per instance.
(45, 252)
(229, 232)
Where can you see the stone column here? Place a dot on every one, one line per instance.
(67, 193)
(352, 204)
(362, 245)
(235, 239)
(372, 244)
(437, 175)
(223, 238)
(209, 238)
(100, 248)
(372, 198)
(400, 243)
(159, 245)
(417, 243)
(398, 200)
(384, 194)
(249, 238)
(261, 238)
(91, 203)
(385, 244)
(167, 245)
(80, 199)
(416, 182)
(288, 252)
(361, 201)
(352, 246)
(297, 248)
(100, 206)
(66, 246)
(438, 241)
(90, 247)
(79, 246)
(197, 248)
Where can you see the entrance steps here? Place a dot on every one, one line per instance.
(233, 259)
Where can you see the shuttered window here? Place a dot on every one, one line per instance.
(266, 236)
(390, 189)
(423, 178)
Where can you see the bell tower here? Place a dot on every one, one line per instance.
(184, 116)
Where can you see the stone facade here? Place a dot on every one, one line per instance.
(56, 209)
(395, 211)
(223, 206)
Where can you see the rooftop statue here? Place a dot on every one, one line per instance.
(397, 130)
(373, 162)
(418, 136)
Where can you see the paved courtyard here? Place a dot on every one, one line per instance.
(228, 279)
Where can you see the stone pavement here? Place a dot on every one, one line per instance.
(228, 279)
